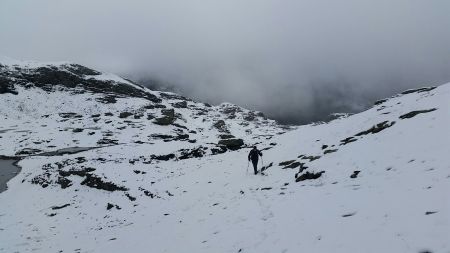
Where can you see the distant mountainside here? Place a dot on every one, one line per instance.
(110, 166)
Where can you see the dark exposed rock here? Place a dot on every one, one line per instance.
(232, 144)
(292, 165)
(377, 128)
(110, 206)
(328, 151)
(60, 207)
(167, 118)
(348, 214)
(221, 126)
(310, 158)
(77, 130)
(286, 163)
(309, 176)
(263, 168)
(193, 153)
(107, 99)
(379, 102)
(324, 146)
(430, 212)
(70, 115)
(64, 182)
(424, 89)
(106, 141)
(182, 104)
(348, 140)
(226, 136)
(96, 182)
(7, 86)
(28, 151)
(355, 174)
(163, 157)
(131, 198)
(219, 150)
(414, 113)
(77, 172)
(123, 115)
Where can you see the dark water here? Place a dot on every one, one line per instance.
(7, 171)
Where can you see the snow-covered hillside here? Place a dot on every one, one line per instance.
(110, 166)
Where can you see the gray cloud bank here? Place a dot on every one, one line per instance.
(295, 60)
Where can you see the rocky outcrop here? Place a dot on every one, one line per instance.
(167, 118)
(232, 144)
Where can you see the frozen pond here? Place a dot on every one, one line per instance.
(8, 170)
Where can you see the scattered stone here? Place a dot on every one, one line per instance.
(424, 89)
(377, 128)
(309, 176)
(430, 212)
(96, 182)
(182, 104)
(414, 113)
(328, 151)
(348, 140)
(163, 157)
(348, 214)
(355, 174)
(59, 207)
(123, 115)
(110, 206)
(286, 163)
(221, 126)
(292, 165)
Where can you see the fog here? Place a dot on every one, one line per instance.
(297, 61)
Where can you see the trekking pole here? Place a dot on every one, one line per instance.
(247, 167)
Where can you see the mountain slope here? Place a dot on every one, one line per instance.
(374, 181)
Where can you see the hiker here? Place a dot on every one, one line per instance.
(254, 155)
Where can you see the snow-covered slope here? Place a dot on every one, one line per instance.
(153, 179)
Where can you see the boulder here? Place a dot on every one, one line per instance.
(232, 144)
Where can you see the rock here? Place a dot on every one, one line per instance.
(379, 102)
(182, 104)
(355, 174)
(167, 119)
(77, 130)
(60, 207)
(163, 157)
(221, 126)
(64, 182)
(309, 176)
(96, 182)
(414, 113)
(377, 128)
(348, 140)
(286, 163)
(193, 153)
(424, 89)
(226, 136)
(123, 115)
(328, 151)
(70, 115)
(293, 165)
(232, 144)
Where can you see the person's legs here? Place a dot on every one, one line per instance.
(255, 166)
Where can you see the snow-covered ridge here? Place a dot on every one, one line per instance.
(163, 173)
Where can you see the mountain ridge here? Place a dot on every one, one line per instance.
(154, 171)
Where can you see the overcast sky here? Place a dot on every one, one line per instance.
(292, 59)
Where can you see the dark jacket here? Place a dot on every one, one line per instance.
(254, 155)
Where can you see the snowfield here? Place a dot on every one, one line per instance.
(155, 172)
